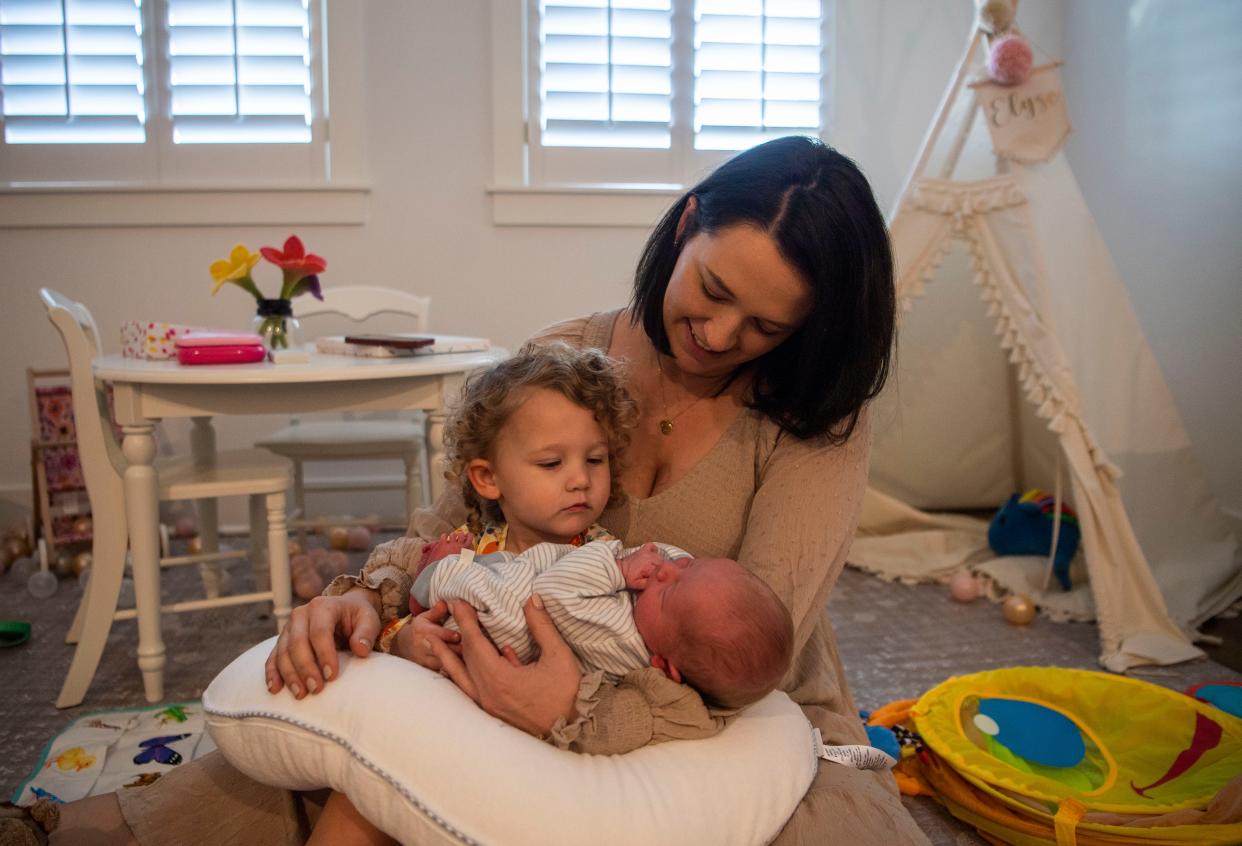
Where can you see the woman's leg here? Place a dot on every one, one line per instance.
(93, 821)
(340, 824)
(205, 802)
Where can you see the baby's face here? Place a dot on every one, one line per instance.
(686, 589)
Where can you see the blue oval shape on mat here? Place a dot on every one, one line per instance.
(1034, 732)
(1227, 697)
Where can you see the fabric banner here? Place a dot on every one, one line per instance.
(1028, 122)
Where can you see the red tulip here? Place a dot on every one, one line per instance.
(294, 257)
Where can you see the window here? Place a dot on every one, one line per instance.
(659, 91)
(159, 92)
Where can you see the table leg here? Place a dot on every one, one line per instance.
(278, 561)
(203, 450)
(142, 506)
(450, 388)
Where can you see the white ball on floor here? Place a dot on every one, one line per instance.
(964, 587)
(42, 584)
(23, 568)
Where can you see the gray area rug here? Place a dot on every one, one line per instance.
(897, 641)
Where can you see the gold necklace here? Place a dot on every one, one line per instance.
(666, 422)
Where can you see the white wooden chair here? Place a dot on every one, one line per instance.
(352, 439)
(252, 472)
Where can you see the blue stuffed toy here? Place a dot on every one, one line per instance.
(1023, 526)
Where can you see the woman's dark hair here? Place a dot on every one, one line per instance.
(818, 208)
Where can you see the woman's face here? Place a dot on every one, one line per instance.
(732, 297)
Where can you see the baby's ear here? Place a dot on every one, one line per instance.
(483, 478)
(666, 666)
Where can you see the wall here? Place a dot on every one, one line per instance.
(428, 134)
(1156, 98)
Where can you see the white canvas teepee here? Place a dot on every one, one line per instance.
(1050, 379)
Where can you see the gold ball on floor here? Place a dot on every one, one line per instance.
(1019, 610)
(15, 548)
(194, 545)
(20, 533)
(63, 566)
(338, 537)
(80, 562)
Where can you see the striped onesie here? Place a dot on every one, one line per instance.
(582, 589)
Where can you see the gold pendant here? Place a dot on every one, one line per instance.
(666, 427)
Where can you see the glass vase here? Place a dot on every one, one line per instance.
(275, 323)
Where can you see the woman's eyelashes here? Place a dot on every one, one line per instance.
(761, 327)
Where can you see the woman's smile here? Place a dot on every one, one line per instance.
(695, 345)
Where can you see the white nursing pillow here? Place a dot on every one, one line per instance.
(422, 762)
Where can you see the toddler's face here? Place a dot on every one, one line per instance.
(550, 468)
(686, 589)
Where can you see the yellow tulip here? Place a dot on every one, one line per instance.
(236, 268)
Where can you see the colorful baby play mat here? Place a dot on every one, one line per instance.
(113, 750)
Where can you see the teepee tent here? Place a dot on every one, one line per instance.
(1048, 382)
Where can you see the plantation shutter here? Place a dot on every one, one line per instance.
(606, 73)
(71, 71)
(757, 70)
(239, 71)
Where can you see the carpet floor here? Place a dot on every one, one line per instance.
(897, 641)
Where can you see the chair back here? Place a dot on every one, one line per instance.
(359, 302)
(98, 449)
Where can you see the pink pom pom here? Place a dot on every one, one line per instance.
(307, 581)
(338, 562)
(964, 587)
(1010, 60)
(359, 538)
(186, 526)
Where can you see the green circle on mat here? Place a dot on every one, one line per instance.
(14, 632)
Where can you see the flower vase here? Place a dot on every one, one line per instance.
(275, 323)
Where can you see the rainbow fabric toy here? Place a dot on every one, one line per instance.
(1044, 755)
(1023, 526)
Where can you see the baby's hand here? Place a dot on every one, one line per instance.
(639, 566)
(448, 544)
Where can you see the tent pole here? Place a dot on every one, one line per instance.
(1056, 524)
(955, 152)
(942, 113)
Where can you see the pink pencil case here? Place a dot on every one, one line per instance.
(220, 348)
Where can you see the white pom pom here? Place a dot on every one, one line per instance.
(994, 16)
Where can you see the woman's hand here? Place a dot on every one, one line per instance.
(531, 696)
(305, 654)
(412, 641)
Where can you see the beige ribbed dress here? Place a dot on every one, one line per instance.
(783, 507)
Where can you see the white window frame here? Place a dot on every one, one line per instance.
(521, 193)
(57, 186)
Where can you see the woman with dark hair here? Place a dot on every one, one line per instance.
(761, 326)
